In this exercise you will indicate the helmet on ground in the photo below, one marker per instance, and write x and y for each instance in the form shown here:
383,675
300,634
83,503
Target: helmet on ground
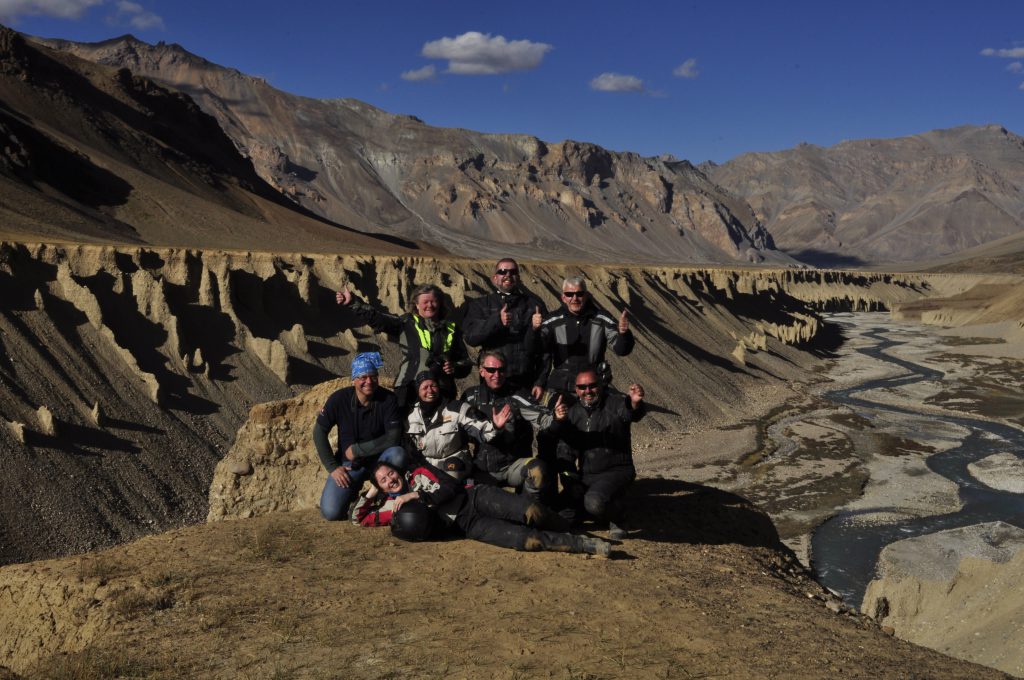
412,522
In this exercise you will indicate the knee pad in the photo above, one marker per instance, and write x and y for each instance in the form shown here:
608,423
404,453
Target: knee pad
595,505
535,476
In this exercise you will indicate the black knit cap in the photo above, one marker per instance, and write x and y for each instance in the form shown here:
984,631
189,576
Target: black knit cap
425,375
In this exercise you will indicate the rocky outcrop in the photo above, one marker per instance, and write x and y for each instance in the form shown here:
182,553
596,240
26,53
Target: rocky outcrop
272,465
949,591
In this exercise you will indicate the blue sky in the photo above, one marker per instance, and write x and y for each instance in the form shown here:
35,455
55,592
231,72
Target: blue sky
700,80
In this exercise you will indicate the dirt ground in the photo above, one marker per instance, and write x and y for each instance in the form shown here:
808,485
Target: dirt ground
701,589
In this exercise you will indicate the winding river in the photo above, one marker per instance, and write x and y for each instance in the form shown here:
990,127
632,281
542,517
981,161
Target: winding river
845,549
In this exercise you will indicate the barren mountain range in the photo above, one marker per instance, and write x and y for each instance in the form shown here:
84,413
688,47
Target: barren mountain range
468,192
857,203
886,200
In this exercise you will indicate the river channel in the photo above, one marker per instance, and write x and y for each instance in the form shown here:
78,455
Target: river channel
845,548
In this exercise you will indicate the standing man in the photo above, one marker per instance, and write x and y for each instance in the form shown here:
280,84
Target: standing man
507,460
598,461
369,430
501,320
576,336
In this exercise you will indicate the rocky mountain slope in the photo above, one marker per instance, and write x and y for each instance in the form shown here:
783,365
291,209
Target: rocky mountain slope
94,153
470,193
885,200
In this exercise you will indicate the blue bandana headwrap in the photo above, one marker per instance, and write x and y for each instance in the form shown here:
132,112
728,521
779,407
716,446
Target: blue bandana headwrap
366,363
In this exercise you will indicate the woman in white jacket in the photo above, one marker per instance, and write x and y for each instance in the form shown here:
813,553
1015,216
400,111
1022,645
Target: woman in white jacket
440,430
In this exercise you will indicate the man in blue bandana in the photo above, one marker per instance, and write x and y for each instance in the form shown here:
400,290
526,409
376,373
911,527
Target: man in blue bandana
369,429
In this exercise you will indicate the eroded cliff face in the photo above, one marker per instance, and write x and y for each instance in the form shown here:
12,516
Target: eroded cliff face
955,591
129,371
470,193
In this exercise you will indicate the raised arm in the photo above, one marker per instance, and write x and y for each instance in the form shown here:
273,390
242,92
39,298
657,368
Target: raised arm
480,325
619,336
375,318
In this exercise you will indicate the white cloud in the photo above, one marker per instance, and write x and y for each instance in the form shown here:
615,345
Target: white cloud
428,72
1006,53
10,10
616,82
475,53
688,69
1015,67
137,16
1021,86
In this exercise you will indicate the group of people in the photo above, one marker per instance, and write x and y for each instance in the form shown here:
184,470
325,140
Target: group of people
542,422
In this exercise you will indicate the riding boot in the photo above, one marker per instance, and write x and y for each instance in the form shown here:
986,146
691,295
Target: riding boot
563,542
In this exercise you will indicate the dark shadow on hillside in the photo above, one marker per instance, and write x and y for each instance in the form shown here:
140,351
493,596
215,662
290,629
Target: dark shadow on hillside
118,424
645,320
674,511
656,408
80,441
822,259
828,341
69,172
144,339
304,373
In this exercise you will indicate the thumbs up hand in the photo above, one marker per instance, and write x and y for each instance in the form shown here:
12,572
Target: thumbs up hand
560,409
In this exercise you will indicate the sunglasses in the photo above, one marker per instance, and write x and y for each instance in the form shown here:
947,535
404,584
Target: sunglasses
574,293
583,387
494,369
503,272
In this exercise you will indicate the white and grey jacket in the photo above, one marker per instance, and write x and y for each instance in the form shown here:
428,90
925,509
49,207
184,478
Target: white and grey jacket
443,440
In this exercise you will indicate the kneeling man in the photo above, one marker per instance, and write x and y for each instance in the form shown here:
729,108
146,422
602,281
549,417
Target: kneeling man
597,460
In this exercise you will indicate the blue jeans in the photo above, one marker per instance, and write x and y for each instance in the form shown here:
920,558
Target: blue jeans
334,501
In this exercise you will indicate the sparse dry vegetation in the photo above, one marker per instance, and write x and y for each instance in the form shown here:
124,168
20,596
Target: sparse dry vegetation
94,664
361,605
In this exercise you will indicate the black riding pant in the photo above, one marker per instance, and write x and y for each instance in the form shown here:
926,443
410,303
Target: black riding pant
602,492
499,518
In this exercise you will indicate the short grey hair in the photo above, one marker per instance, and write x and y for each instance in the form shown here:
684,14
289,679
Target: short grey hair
576,282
